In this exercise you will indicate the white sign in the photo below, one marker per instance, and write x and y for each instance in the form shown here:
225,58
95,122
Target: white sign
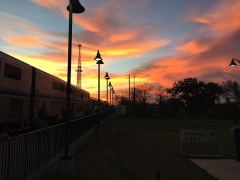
197,136
200,142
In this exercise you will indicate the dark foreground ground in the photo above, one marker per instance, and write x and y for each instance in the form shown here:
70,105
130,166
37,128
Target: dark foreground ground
127,148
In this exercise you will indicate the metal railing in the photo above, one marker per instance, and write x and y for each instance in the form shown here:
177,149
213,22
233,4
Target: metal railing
23,155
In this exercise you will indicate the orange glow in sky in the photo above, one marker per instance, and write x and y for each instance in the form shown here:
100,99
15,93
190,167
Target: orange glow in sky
159,41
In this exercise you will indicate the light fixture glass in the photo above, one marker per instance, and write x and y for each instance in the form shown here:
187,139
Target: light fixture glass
98,56
232,64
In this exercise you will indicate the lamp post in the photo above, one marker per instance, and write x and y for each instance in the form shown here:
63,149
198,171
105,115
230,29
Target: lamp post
113,92
233,62
134,94
73,7
107,78
110,86
129,93
99,60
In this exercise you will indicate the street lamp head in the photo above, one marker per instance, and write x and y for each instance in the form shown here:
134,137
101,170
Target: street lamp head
100,62
107,76
232,64
98,56
76,7
110,84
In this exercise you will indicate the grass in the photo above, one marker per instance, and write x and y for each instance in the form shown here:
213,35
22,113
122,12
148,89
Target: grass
130,148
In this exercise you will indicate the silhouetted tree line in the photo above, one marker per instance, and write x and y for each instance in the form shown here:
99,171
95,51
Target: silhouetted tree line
142,101
189,97
193,98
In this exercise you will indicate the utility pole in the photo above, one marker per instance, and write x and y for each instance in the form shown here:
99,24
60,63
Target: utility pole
79,68
134,94
129,93
110,91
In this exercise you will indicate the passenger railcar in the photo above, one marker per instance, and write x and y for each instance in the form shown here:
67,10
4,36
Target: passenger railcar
31,97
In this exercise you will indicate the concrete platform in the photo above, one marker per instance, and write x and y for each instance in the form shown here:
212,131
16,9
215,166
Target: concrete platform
223,169
138,148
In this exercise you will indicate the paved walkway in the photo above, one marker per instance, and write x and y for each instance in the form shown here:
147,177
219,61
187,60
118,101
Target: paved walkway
128,148
223,169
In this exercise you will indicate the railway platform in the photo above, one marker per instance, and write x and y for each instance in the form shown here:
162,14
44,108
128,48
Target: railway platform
120,148
130,148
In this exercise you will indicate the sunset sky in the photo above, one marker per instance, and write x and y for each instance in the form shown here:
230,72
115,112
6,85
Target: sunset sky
161,41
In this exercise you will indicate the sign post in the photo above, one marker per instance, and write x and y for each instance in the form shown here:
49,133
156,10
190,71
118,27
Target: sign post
200,143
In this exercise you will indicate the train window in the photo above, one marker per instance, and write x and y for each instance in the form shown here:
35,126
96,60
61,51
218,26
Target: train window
16,107
55,85
12,72
62,87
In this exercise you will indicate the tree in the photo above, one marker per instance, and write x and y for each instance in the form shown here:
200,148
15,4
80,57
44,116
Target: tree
160,96
211,93
196,95
143,92
140,104
231,92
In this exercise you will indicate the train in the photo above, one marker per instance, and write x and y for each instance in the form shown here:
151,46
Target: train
30,97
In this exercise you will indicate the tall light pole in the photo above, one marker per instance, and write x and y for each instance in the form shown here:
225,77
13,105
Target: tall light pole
113,92
107,78
129,93
110,86
99,60
73,7
134,94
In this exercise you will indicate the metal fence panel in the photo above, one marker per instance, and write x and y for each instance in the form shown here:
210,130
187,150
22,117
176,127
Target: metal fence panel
25,154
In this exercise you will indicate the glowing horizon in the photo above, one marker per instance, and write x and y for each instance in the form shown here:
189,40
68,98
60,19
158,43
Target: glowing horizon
158,41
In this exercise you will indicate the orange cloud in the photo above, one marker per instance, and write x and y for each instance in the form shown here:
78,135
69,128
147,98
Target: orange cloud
224,17
108,29
123,36
57,5
201,20
60,7
208,65
24,40
87,24
169,70
116,35
193,47
134,48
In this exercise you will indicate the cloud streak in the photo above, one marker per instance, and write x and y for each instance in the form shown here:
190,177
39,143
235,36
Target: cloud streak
126,38
222,18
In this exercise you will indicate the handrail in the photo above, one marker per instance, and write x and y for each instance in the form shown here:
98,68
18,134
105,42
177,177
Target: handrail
22,155
56,125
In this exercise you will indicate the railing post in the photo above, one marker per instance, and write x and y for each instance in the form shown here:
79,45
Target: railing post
8,159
